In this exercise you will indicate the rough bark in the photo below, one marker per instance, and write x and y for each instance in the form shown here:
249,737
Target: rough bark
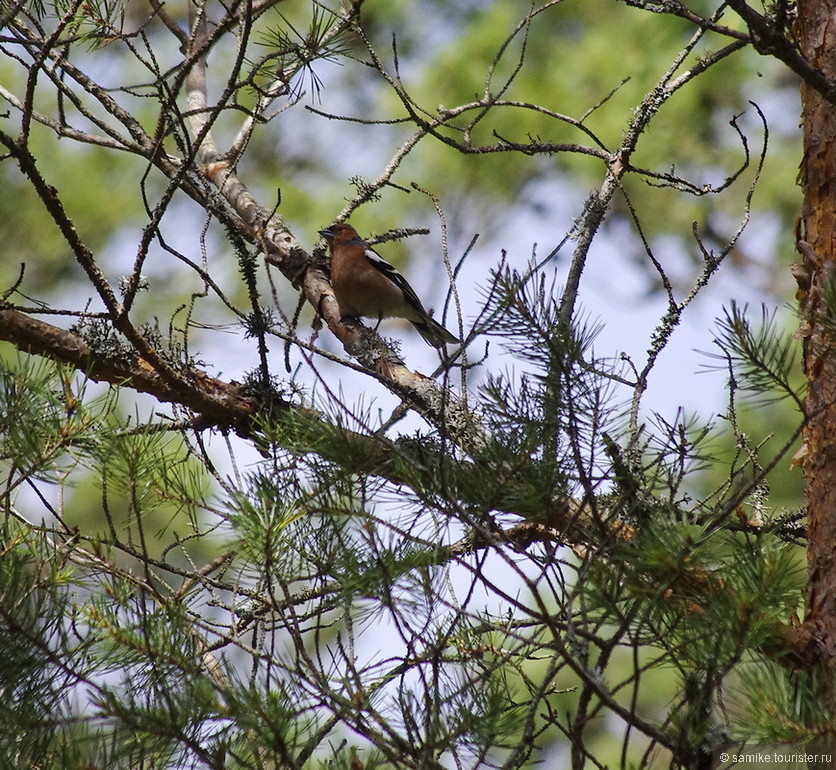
816,31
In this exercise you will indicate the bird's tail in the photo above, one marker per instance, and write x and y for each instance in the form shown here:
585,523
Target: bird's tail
434,333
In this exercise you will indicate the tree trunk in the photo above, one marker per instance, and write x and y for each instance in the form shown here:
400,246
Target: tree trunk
816,30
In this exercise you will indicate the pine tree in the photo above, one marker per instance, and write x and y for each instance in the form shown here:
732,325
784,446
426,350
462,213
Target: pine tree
336,560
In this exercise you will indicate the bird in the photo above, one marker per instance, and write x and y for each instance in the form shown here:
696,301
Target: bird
366,285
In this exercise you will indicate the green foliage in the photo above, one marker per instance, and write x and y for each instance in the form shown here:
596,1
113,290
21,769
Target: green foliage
318,558
763,358
780,705
34,612
761,363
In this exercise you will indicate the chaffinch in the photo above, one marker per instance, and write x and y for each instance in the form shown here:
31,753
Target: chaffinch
365,284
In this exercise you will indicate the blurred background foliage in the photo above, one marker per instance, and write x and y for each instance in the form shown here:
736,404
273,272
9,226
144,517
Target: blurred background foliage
571,65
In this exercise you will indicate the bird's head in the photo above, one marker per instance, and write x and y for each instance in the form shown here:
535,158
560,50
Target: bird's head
336,231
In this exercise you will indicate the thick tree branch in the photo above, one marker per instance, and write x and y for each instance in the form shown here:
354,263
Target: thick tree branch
223,403
772,40
300,430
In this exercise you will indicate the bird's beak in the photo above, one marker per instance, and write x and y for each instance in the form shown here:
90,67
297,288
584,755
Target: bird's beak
327,233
